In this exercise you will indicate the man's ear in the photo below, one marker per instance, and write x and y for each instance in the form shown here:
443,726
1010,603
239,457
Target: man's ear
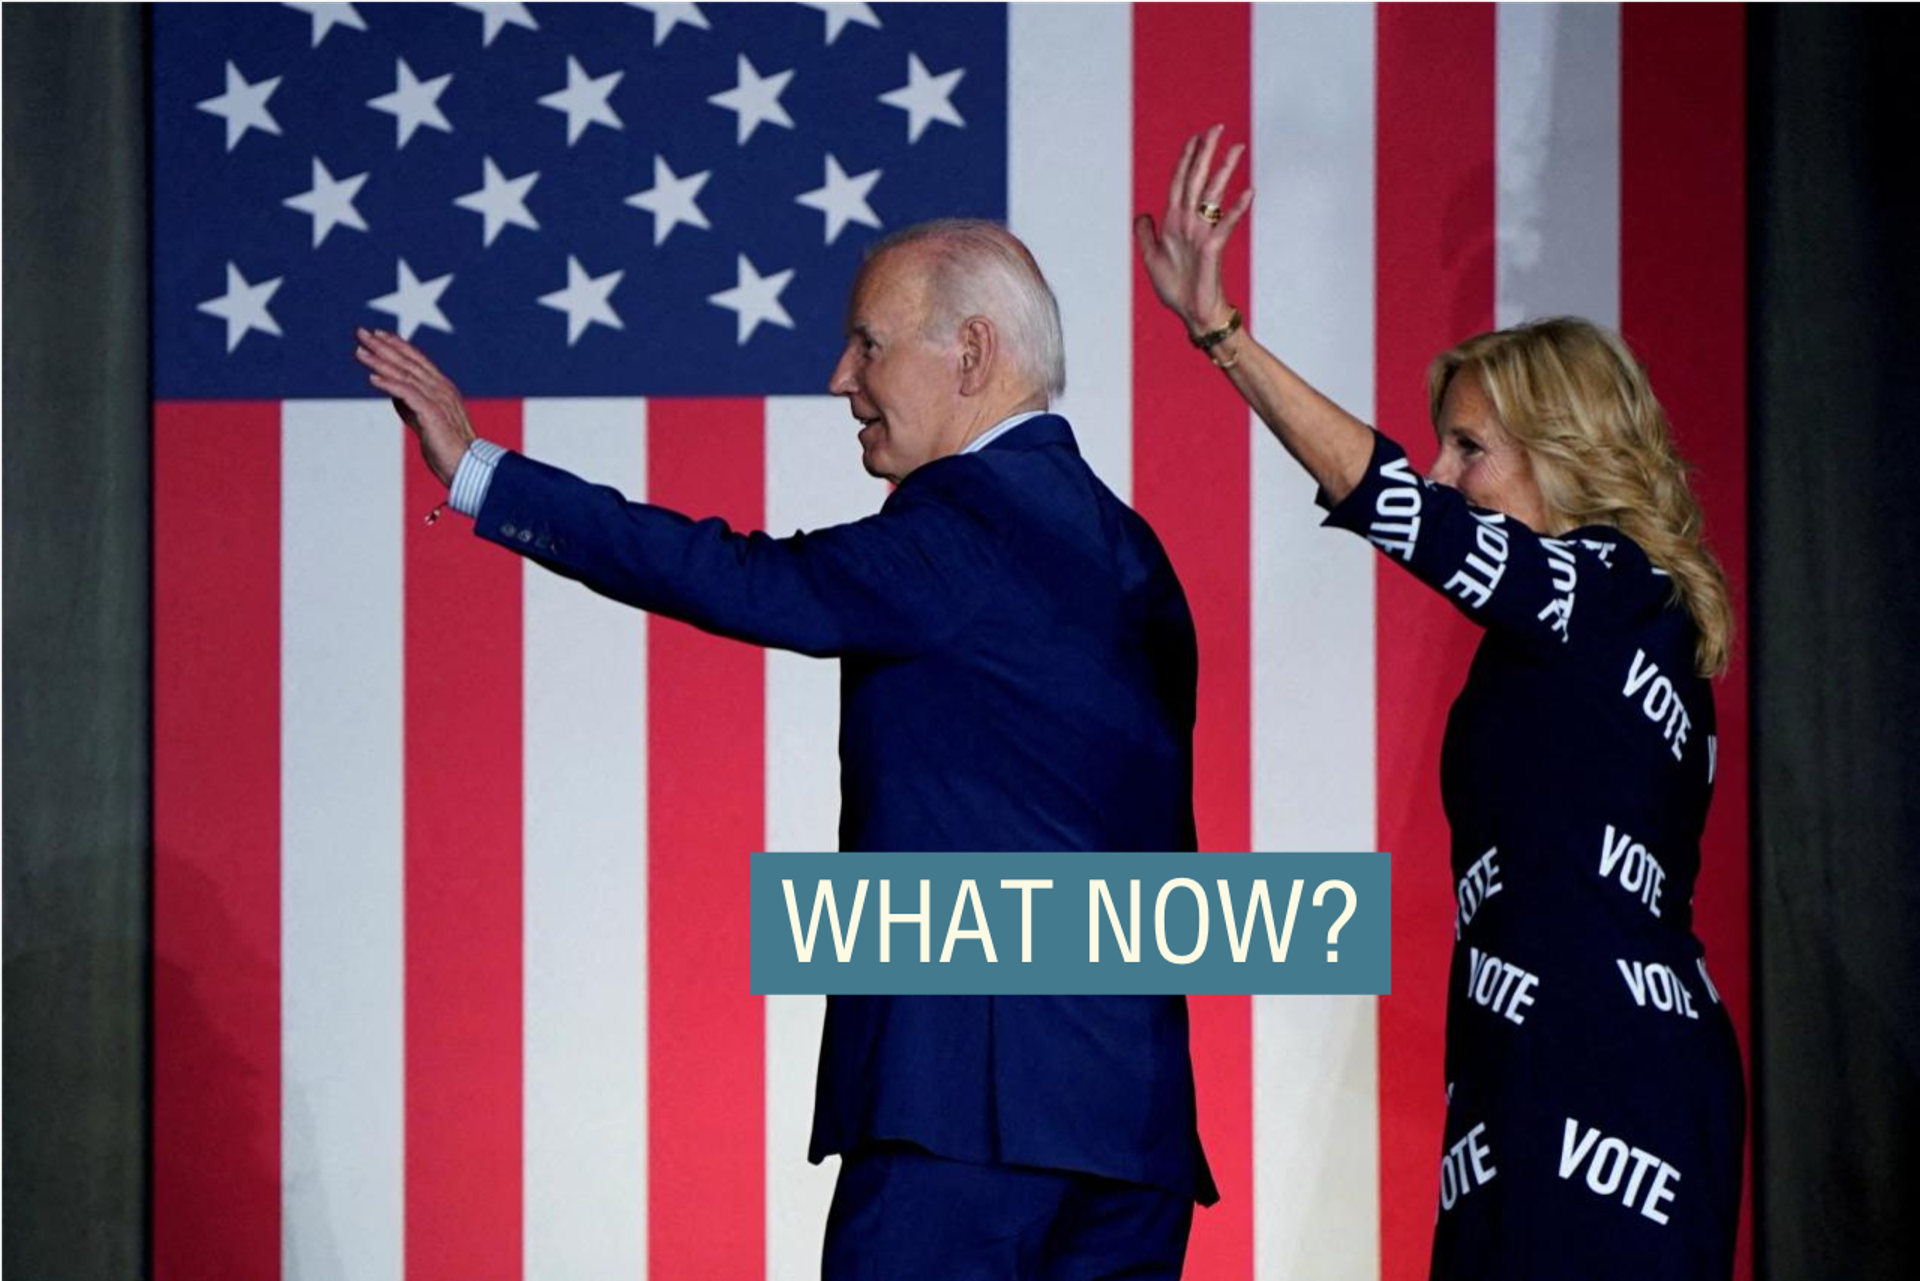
979,353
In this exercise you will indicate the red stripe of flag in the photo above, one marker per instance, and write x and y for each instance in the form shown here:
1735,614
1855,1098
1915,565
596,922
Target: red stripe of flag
463,885
706,762
1191,480
1683,310
216,832
1435,273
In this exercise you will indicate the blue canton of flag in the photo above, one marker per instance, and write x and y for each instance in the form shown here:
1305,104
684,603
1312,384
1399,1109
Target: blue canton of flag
584,199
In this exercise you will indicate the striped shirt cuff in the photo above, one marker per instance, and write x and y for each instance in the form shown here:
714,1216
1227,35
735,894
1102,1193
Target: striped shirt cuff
474,475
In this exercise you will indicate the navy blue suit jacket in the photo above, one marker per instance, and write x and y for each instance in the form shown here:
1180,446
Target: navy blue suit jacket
1018,670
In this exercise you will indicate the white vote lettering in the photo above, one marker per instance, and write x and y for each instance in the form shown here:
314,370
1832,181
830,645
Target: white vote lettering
1640,872
1476,582
1556,614
1467,1165
1608,1167
1657,986
1700,962
1501,986
1614,1165
1565,571
1481,883
1661,703
1571,1155
1561,564
1396,528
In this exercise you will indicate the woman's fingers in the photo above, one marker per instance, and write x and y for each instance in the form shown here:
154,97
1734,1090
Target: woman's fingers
1202,163
1195,184
1177,188
1239,210
1218,186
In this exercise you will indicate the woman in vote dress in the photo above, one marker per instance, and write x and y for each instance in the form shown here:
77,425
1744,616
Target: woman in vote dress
1595,1111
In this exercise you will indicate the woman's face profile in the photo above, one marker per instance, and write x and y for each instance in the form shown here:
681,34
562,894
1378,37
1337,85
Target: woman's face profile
1480,459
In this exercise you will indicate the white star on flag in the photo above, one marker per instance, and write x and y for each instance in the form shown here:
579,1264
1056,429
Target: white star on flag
842,199
839,15
755,99
415,302
328,16
329,202
926,98
668,16
413,103
244,306
584,300
584,100
754,298
499,17
243,106
671,199
501,201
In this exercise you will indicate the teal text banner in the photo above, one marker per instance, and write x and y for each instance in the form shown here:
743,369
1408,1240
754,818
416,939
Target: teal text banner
1071,924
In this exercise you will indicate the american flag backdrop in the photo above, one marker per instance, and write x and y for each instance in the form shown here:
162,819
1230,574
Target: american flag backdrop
451,855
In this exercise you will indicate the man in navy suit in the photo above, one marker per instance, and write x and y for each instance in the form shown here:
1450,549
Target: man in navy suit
1018,669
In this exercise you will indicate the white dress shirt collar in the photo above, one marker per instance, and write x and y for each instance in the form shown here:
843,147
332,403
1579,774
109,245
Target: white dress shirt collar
1000,429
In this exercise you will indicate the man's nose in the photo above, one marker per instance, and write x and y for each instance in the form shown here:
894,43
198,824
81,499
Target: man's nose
843,383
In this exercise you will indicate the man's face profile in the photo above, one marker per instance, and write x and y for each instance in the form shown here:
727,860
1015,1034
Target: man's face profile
902,385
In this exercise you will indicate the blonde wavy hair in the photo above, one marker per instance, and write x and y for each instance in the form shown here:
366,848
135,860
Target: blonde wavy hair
1579,403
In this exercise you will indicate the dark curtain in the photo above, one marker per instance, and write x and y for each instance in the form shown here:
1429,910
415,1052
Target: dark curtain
1835,275
76,636
1835,309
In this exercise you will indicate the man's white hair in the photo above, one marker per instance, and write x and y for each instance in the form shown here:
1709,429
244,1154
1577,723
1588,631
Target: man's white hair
979,268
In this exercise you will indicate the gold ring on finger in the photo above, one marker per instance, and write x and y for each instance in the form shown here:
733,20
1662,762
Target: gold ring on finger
1211,211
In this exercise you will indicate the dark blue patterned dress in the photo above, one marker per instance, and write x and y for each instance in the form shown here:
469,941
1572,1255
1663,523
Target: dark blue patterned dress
1595,1098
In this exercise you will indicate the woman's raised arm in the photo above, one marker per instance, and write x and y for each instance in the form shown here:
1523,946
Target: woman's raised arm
1182,255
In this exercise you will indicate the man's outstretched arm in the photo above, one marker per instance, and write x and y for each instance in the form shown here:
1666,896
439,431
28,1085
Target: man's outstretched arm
896,583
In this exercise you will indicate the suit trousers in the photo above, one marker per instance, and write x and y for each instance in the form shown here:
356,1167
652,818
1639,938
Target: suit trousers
900,1211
